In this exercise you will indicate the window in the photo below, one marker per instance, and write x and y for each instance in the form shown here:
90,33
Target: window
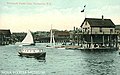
85,29
100,29
111,30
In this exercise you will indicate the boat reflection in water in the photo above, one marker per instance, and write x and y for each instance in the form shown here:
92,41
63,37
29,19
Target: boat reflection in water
32,53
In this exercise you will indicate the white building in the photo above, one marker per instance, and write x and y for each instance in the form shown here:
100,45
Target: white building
98,26
99,31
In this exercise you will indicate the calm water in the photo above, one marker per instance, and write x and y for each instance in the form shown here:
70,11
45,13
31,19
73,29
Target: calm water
59,62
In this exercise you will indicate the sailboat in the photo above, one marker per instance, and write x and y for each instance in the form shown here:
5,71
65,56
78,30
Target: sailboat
28,40
52,40
31,51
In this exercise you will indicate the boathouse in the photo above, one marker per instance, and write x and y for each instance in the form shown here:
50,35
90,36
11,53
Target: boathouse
5,37
98,31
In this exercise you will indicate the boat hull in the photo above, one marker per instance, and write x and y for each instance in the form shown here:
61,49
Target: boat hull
28,44
40,55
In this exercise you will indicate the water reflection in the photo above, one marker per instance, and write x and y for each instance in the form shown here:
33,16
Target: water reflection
100,63
40,59
61,62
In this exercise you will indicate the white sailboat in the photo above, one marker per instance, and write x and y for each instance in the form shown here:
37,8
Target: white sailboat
52,40
31,51
28,40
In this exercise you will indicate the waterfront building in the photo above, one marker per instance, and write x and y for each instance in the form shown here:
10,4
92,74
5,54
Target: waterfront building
18,37
5,37
41,36
98,31
61,36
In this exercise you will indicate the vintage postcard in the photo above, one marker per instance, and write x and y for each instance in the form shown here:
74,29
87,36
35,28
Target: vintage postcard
59,37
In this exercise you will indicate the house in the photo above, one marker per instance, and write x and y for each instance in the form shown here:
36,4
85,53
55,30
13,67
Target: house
98,26
41,36
44,36
99,31
5,37
62,36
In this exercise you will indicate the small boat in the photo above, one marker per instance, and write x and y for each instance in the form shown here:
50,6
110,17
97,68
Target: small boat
32,53
60,47
28,40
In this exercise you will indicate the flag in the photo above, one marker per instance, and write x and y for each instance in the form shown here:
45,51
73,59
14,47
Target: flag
82,10
84,6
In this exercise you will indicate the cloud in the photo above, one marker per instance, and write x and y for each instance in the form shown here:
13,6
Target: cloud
60,19
36,18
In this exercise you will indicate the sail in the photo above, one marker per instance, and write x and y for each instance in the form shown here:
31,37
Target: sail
52,40
28,39
51,36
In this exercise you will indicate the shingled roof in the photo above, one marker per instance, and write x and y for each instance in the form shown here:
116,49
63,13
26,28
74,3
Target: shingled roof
95,22
6,32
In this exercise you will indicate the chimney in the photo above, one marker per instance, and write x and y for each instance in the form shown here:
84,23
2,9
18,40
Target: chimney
102,17
74,28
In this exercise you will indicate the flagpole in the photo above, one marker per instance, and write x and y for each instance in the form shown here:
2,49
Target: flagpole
85,14
84,11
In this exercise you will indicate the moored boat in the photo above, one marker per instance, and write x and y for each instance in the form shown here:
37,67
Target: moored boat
32,52
52,40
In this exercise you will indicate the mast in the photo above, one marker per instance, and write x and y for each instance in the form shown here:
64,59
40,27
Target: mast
51,35
53,40
84,10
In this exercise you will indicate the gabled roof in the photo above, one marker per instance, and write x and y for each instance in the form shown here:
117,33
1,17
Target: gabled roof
95,22
6,32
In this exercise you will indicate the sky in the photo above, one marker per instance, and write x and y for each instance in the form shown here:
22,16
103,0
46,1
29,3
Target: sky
39,15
